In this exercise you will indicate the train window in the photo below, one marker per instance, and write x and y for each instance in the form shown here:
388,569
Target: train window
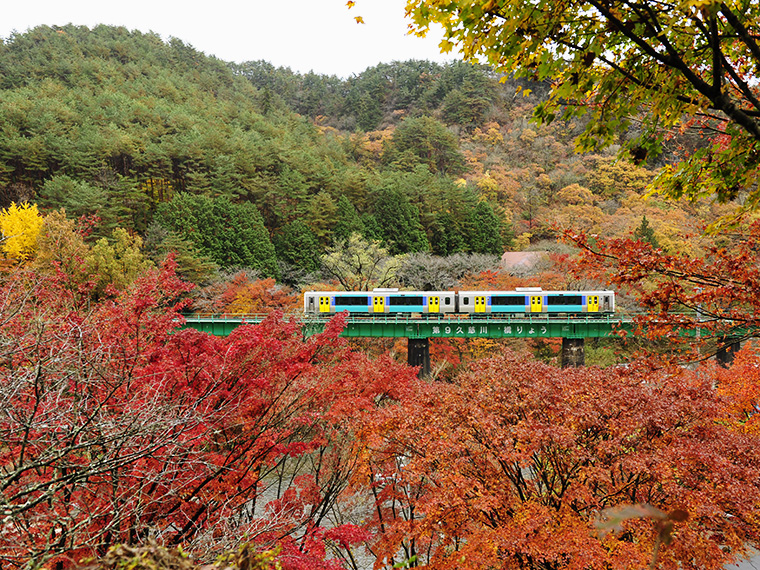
351,301
447,300
466,300
405,301
508,300
565,300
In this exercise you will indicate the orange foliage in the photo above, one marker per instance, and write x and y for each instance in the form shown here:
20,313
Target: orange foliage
368,147
515,463
260,296
243,296
740,386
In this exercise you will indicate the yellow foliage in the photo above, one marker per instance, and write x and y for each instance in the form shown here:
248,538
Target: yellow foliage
20,226
489,188
61,247
585,217
491,136
617,177
116,263
368,147
528,137
575,194
522,241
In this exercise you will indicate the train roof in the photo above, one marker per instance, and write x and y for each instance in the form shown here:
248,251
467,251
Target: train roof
516,291
531,290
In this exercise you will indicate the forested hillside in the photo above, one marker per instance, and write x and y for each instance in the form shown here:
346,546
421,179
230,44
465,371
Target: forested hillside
247,165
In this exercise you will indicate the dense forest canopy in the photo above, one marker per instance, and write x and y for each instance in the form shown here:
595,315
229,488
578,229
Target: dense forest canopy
116,123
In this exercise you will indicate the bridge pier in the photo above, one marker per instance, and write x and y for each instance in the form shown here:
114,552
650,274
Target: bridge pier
727,348
418,354
573,352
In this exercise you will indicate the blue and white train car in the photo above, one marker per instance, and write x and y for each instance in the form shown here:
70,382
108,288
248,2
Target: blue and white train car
536,300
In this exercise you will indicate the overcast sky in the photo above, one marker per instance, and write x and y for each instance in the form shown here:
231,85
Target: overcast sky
305,35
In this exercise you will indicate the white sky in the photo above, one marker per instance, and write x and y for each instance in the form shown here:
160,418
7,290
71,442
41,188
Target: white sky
305,35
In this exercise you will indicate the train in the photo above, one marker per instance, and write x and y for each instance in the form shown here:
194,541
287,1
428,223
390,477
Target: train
522,300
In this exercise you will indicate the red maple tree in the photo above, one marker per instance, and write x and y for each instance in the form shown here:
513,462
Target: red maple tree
518,464
697,302
117,426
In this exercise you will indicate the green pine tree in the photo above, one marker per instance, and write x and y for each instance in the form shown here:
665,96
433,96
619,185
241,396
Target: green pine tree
399,222
231,234
349,221
485,230
645,233
298,246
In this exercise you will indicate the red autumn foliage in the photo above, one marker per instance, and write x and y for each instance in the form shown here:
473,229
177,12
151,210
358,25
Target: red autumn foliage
740,387
516,464
679,294
119,427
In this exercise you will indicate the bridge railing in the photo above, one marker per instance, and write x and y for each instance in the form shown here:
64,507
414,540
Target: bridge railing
370,317
437,326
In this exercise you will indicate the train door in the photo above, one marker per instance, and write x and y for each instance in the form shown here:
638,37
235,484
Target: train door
324,304
480,304
434,304
592,303
536,304
378,304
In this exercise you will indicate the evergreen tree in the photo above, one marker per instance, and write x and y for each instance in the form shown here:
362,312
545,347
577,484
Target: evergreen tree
369,113
447,235
645,233
425,141
349,221
232,235
485,230
399,222
192,265
372,230
320,216
471,97
225,179
77,197
298,246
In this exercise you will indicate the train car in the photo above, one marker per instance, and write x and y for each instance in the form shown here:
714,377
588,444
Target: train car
536,300
388,301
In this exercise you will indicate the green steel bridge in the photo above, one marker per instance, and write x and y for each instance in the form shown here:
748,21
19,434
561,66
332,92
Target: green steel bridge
461,326
418,330
573,330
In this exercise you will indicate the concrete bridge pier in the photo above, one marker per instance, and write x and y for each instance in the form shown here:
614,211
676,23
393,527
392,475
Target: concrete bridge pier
727,348
418,354
573,352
